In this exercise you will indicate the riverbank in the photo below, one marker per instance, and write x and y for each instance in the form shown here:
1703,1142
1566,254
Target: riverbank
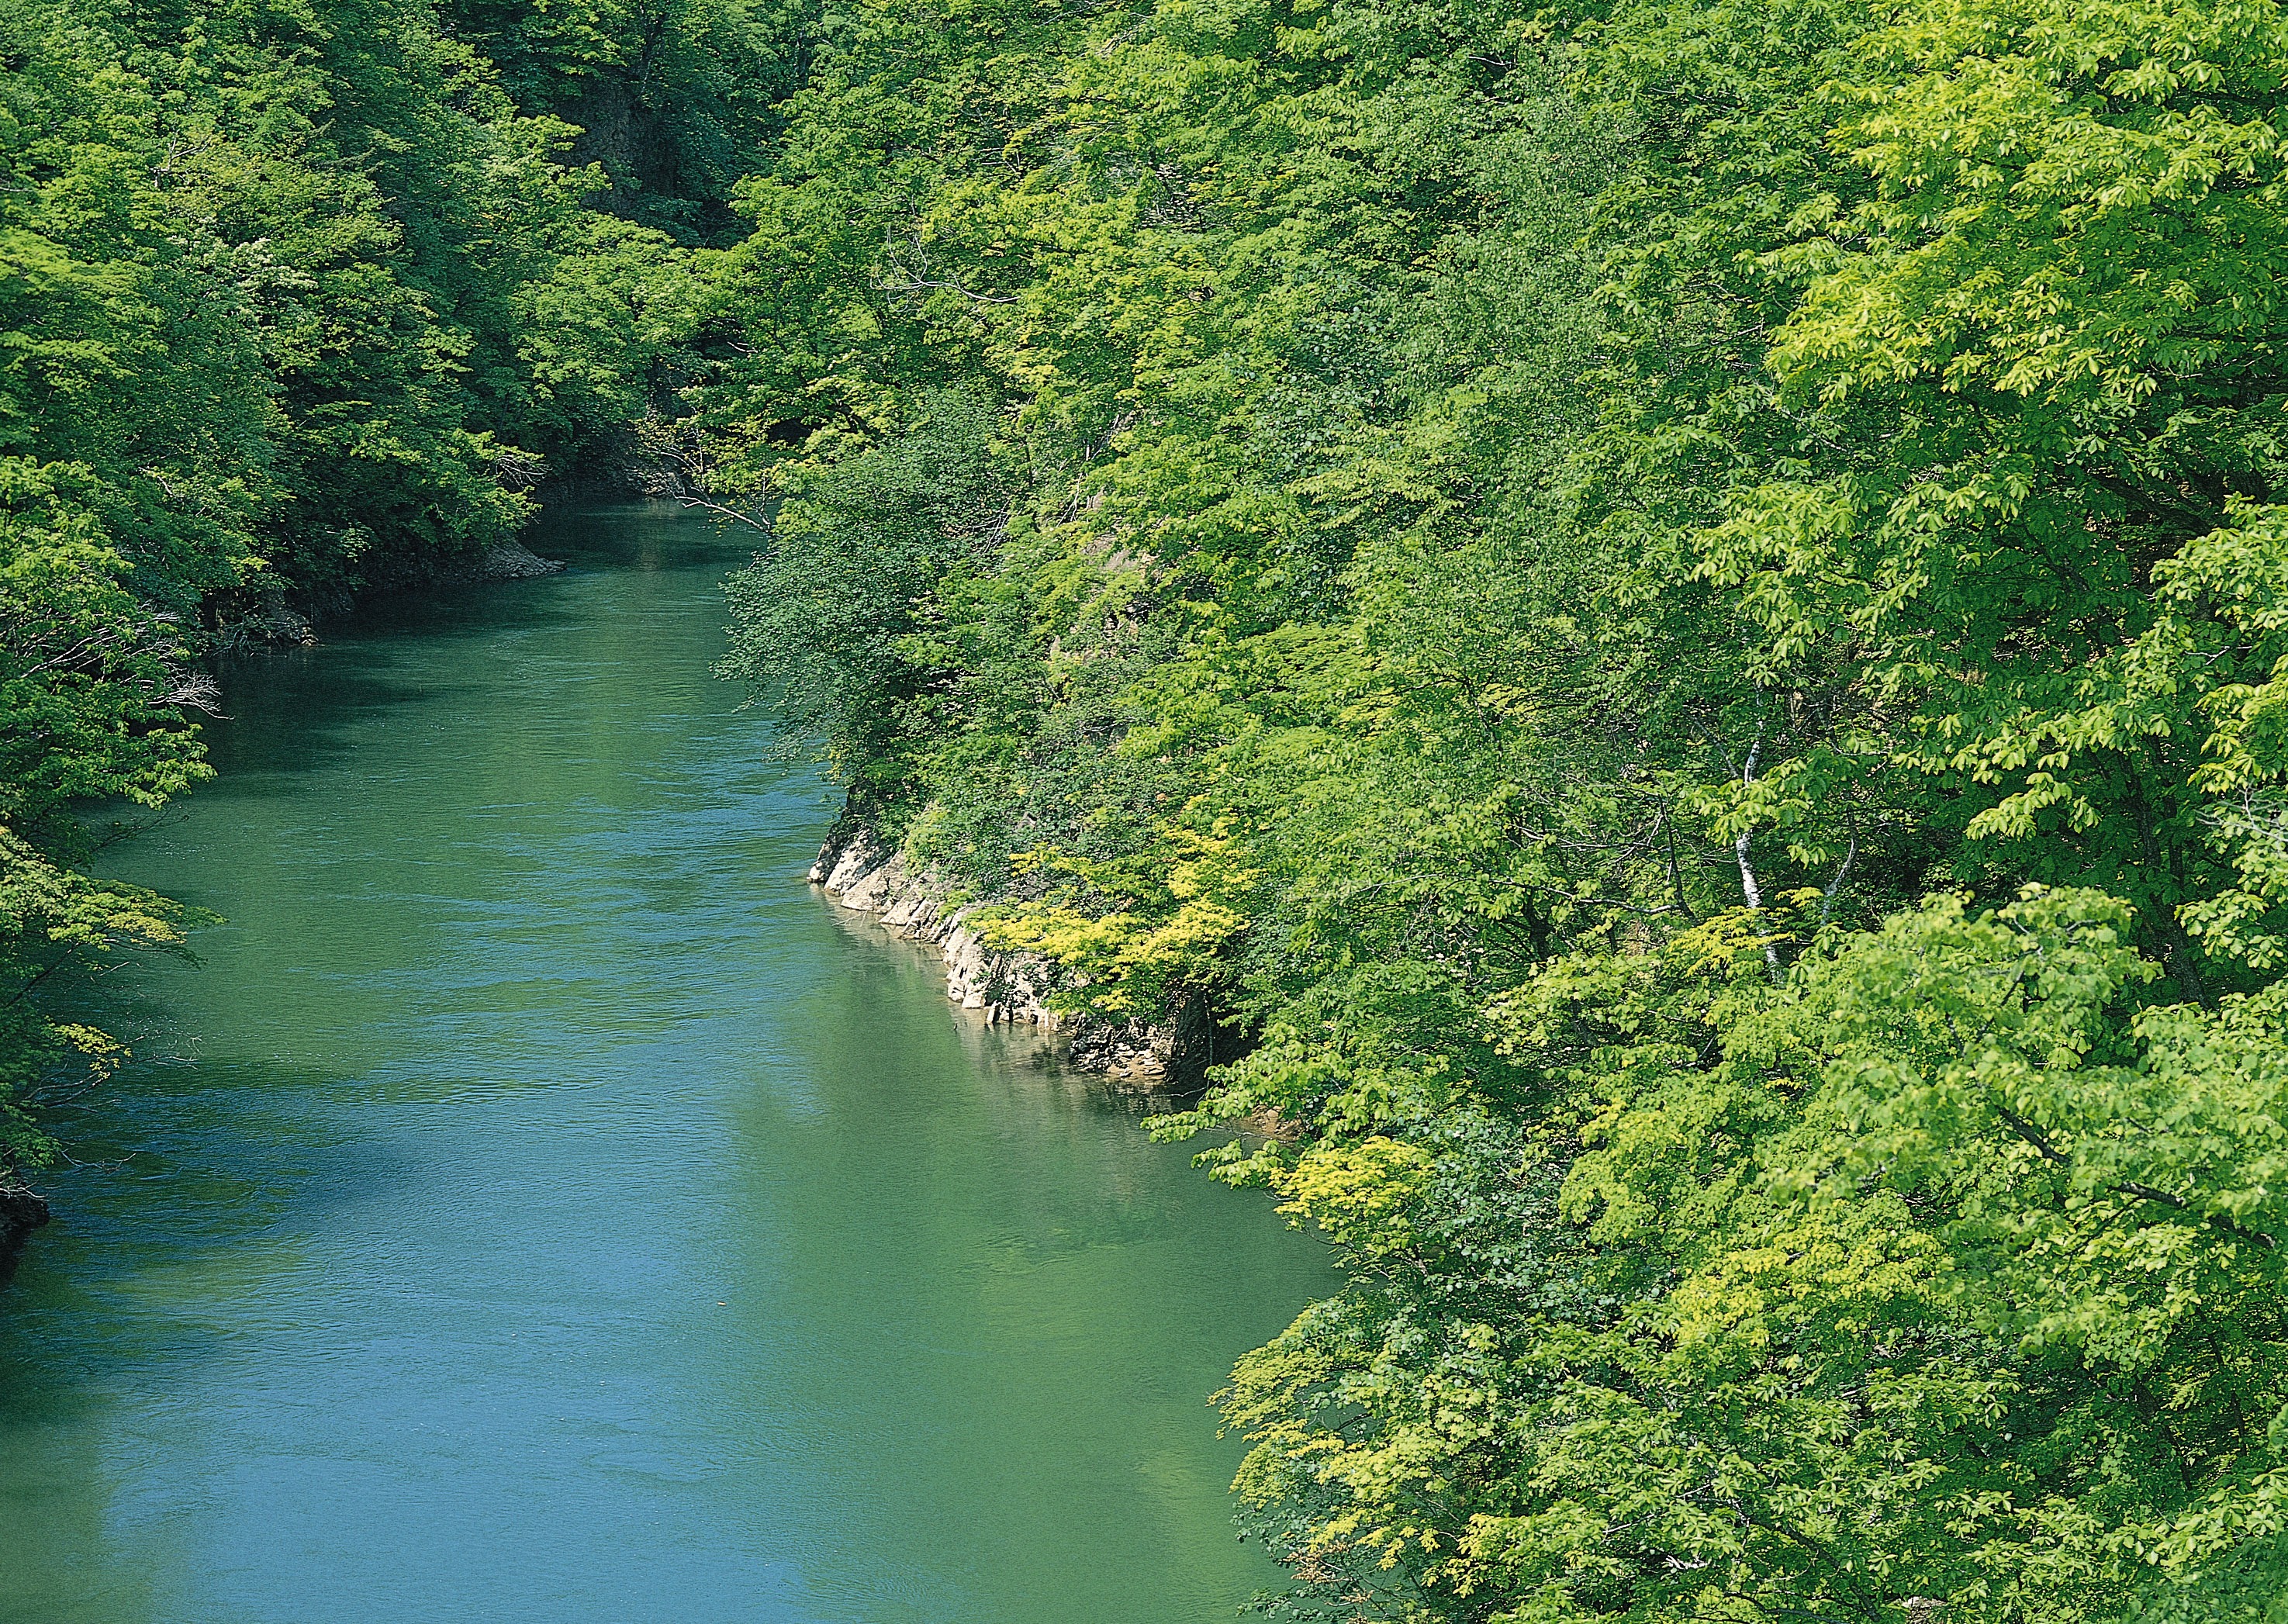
859,870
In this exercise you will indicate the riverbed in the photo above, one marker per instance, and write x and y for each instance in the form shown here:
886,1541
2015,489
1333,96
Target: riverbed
541,1205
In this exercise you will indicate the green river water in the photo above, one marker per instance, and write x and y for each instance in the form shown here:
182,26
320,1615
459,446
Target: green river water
541,1205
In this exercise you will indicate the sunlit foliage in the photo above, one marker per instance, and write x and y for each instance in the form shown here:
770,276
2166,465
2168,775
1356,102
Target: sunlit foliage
1676,613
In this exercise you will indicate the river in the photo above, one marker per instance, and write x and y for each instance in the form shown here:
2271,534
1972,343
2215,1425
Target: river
540,1205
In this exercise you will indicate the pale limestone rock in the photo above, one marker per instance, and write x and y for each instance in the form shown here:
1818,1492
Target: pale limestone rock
862,873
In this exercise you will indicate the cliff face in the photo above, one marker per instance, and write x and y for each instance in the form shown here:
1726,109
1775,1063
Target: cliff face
862,872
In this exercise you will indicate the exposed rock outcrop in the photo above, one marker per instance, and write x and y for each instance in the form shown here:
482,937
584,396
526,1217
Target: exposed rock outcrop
865,874
862,872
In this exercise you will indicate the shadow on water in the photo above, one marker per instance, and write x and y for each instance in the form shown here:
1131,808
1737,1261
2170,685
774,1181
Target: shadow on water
176,1166
301,710
647,536
187,1194
1046,1287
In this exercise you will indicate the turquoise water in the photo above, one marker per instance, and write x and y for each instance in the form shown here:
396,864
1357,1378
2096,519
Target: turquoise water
541,1205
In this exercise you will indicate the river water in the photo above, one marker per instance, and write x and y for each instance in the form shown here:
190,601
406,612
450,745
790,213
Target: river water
541,1205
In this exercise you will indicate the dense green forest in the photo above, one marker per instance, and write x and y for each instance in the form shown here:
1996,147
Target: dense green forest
1671,614
298,301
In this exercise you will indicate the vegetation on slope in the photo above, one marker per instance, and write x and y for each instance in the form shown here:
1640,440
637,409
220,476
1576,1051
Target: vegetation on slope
1676,613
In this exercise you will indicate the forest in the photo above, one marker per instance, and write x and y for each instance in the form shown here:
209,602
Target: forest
1670,616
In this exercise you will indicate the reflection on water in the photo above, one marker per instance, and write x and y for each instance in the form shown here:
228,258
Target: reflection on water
540,1207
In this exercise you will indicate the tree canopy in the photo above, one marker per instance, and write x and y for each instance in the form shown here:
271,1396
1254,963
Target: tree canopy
1673,613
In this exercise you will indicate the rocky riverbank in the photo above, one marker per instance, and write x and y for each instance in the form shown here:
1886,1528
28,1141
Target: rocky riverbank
862,873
